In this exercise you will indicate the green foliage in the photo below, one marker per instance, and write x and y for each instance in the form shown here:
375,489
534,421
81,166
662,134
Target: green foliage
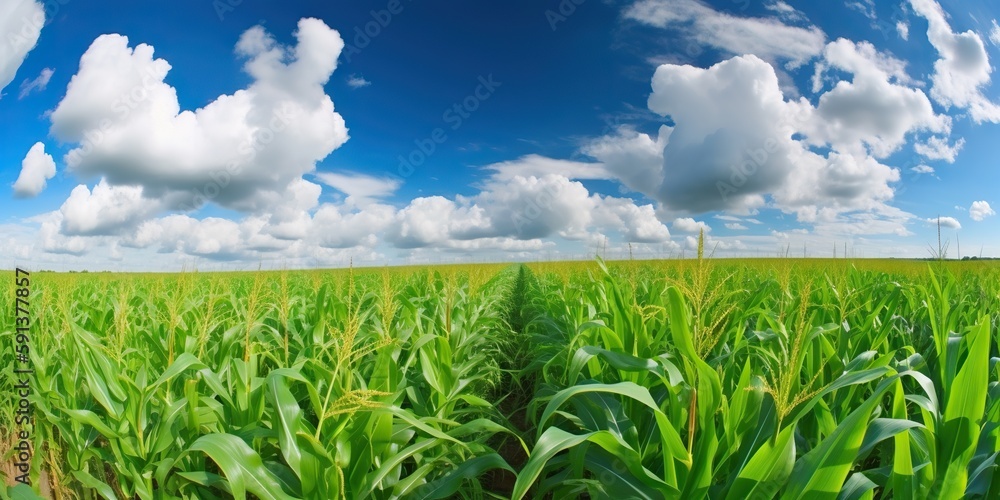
701,378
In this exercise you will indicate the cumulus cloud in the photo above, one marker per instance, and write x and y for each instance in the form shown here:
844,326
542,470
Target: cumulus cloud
212,237
766,38
980,210
509,213
105,210
963,68
357,82
689,225
531,207
340,227
633,158
721,114
21,23
922,169
946,222
636,224
903,30
537,166
38,84
875,110
36,168
937,148
241,151
738,144
523,208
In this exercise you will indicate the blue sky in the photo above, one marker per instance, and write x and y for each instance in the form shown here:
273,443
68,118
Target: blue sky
230,135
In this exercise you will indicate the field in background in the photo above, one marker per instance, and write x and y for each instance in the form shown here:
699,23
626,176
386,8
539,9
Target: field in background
726,378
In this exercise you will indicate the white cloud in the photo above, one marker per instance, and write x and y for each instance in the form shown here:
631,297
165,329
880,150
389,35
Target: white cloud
766,38
359,188
211,237
881,220
105,210
51,239
875,110
980,210
636,224
946,222
689,225
357,82
903,30
840,183
21,23
713,245
963,69
339,227
734,124
922,169
538,166
865,7
36,168
785,11
242,151
995,33
501,244
424,222
937,148
288,218
729,218
716,162
531,207
38,84
737,145
634,158
721,114
524,208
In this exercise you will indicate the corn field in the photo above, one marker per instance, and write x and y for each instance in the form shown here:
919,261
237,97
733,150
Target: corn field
728,379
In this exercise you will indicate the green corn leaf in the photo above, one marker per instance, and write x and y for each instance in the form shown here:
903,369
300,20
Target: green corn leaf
821,473
93,483
857,487
671,440
959,430
450,483
242,467
768,469
555,440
